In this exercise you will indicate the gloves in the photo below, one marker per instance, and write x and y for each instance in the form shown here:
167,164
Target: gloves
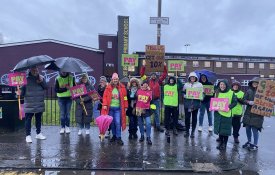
250,103
184,96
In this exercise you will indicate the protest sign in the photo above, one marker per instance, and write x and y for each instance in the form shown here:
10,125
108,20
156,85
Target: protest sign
17,79
154,55
176,65
194,93
262,101
129,60
77,91
219,104
94,95
208,89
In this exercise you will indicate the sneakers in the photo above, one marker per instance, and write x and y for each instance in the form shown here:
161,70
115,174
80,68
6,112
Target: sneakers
40,136
141,139
200,129
247,145
210,129
253,147
62,131
29,139
87,131
79,132
67,130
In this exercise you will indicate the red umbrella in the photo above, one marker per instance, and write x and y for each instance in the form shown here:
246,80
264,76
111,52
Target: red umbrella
103,122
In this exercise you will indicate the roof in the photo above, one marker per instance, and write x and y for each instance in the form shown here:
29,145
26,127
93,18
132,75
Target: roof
50,40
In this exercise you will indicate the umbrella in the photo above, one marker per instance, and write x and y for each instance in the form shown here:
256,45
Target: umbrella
69,64
32,62
211,76
103,122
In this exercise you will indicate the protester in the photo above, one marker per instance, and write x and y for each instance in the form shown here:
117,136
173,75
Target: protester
34,105
154,84
115,104
205,105
191,106
143,111
222,119
132,100
62,87
237,111
83,103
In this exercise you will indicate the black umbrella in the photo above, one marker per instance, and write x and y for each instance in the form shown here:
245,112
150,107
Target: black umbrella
69,64
32,62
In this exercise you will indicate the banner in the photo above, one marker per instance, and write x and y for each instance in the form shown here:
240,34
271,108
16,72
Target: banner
154,55
194,93
17,79
176,65
129,60
78,91
262,100
208,89
219,104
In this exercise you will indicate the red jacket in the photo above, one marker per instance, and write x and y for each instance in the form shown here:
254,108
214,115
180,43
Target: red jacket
107,97
155,85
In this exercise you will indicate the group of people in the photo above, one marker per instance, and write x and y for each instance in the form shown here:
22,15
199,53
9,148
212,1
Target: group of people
140,99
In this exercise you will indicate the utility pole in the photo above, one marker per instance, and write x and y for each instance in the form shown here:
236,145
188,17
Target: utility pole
159,25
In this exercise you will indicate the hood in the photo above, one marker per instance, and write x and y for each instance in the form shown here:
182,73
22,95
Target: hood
206,79
193,74
134,80
226,83
170,79
236,83
255,79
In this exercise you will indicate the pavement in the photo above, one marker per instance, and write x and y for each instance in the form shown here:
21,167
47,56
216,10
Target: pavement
86,154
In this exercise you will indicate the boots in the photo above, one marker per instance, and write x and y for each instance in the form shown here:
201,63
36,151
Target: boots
192,134
149,142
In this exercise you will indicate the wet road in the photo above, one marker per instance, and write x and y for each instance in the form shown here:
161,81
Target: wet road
71,154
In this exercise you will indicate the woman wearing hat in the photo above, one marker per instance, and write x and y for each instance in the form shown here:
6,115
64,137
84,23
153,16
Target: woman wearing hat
115,104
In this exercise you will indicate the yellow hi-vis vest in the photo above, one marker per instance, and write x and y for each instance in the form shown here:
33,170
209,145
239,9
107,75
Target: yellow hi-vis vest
238,109
62,83
170,95
228,95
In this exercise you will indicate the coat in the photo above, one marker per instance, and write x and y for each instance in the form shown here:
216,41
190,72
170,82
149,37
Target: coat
80,116
107,97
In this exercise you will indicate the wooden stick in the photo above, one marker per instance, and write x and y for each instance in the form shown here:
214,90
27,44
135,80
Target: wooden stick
84,107
19,104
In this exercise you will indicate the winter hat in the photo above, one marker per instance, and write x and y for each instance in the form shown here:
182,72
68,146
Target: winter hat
115,75
236,83
145,81
103,78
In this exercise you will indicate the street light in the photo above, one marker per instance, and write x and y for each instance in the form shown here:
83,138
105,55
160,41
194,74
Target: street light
186,45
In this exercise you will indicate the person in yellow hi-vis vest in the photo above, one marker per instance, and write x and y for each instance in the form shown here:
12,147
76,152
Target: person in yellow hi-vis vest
222,119
237,111
62,88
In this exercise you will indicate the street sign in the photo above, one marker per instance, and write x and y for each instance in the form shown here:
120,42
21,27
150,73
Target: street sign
159,20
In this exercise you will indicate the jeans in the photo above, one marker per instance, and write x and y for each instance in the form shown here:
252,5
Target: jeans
28,122
171,113
236,124
84,125
116,123
65,109
188,118
205,106
96,112
133,122
147,123
249,134
156,113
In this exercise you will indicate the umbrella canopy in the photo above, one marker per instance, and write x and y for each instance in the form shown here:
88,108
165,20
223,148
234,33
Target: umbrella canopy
211,76
32,62
103,122
69,64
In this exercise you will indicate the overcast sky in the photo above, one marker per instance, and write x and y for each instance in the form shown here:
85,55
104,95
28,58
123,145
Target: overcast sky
235,27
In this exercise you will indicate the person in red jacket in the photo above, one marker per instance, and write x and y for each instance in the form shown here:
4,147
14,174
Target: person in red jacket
115,104
154,84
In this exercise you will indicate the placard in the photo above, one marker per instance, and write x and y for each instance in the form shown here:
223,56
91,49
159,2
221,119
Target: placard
262,101
17,79
94,95
129,60
219,104
154,55
194,93
77,91
176,65
208,89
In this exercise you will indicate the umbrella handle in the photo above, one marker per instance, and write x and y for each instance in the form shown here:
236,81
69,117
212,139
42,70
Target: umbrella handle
83,106
19,104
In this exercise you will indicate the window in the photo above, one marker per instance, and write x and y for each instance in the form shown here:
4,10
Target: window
271,76
218,64
207,64
261,65
110,45
195,64
229,64
272,66
251,65
240,65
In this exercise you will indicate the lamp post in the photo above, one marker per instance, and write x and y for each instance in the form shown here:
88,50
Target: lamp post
186,45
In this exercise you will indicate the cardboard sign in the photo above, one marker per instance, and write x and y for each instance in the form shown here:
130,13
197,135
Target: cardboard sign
154,55
78,90
194,93
176,65
262,101
219,104
208,89
129,60
17,79
94,95
144,98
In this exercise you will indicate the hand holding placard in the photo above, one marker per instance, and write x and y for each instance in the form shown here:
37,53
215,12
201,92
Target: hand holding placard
219,104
